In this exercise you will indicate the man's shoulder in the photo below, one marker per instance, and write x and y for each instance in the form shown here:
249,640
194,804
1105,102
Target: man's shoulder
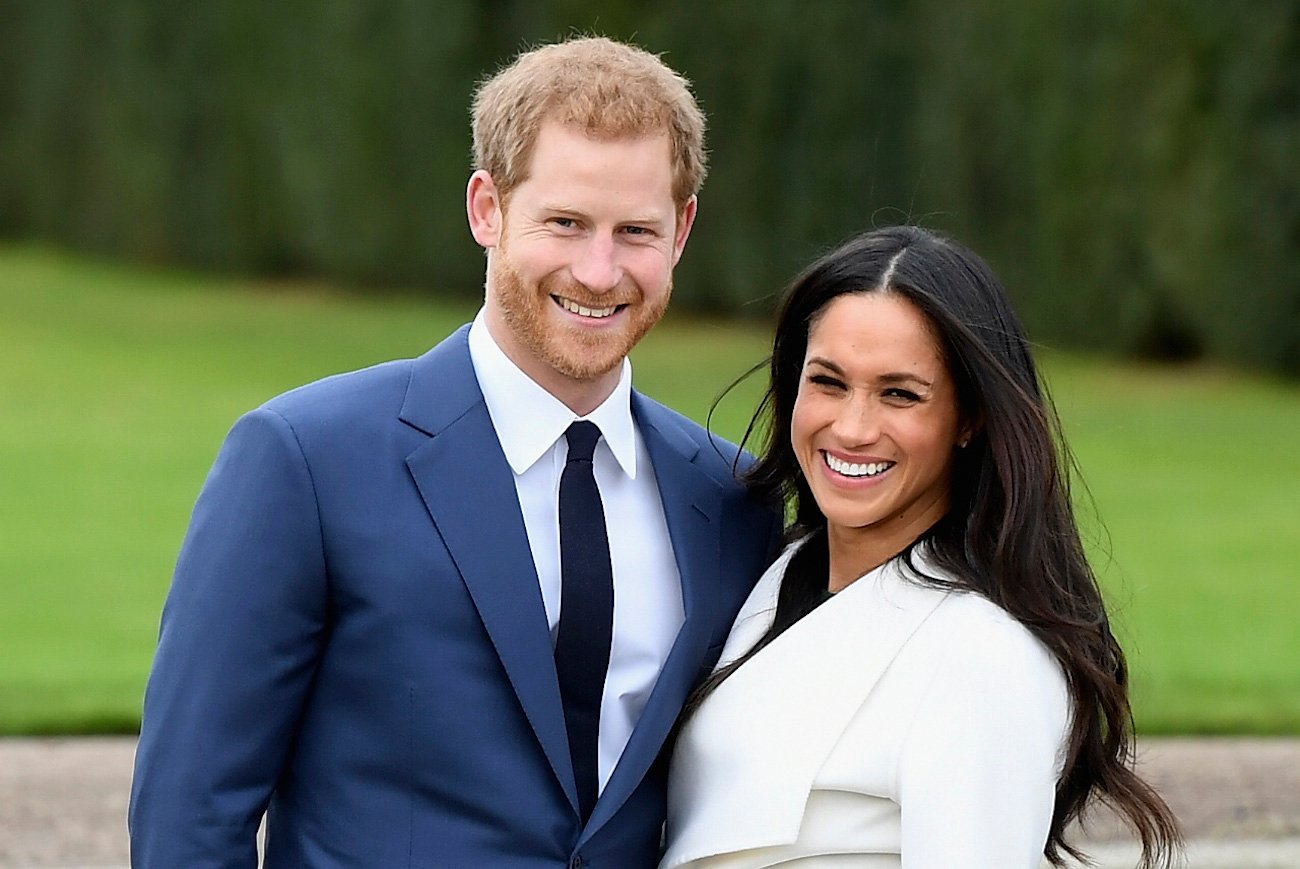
719,457
340,395
382,387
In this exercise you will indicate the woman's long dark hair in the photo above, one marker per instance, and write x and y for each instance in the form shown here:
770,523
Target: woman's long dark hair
1010,532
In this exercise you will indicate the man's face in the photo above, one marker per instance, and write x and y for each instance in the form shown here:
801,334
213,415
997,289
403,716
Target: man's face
581,256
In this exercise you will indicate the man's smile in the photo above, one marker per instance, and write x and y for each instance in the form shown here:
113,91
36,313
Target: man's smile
583,311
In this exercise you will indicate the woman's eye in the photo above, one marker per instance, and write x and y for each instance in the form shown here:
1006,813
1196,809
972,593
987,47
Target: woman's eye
902,394
824,380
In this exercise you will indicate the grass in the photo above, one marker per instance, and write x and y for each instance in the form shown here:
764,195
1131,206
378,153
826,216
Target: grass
117,385
1195,474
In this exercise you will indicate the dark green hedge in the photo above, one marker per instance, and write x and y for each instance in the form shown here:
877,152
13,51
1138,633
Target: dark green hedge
1130,168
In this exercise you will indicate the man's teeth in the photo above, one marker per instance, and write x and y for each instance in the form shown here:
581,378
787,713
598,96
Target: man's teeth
853,469
584,311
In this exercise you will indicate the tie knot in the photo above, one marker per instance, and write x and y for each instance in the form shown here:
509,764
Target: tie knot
582,437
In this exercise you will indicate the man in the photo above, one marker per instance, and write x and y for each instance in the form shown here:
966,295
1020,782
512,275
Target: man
419,619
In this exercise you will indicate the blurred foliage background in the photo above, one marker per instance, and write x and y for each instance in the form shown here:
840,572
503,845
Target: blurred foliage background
205,203
1129,168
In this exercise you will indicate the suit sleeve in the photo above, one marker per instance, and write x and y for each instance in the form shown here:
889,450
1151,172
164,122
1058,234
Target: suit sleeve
978,769
242,630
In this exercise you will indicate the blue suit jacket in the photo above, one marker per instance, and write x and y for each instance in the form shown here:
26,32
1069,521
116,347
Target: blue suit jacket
355,641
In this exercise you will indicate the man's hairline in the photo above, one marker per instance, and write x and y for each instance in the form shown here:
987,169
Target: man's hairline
665,131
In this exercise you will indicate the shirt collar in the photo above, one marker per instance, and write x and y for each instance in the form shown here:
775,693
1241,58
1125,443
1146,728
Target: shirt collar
529,420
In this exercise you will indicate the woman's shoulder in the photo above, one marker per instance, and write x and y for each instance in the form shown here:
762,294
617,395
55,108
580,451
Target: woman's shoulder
970,614
984,654
972,632
976,673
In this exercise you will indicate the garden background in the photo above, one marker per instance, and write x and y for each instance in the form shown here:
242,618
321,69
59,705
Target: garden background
203,204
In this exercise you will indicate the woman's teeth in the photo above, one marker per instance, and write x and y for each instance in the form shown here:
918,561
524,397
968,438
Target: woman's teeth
853,469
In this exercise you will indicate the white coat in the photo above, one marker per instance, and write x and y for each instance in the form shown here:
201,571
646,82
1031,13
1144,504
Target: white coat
897,725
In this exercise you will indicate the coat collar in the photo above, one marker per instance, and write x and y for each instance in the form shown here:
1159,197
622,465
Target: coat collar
469,491
793,714
444,401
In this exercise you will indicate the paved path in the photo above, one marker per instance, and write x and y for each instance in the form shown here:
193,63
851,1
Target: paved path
63,803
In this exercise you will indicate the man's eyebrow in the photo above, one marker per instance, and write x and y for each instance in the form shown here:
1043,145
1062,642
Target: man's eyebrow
644,218
559,208
648,218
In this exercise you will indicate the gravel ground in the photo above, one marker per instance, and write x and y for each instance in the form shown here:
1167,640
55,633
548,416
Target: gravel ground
63,802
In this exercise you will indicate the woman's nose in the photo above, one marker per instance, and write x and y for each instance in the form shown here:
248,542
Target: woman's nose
856,424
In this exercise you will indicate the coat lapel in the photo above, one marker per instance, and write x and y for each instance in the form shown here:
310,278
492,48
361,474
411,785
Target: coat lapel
469,491
692,504
754,713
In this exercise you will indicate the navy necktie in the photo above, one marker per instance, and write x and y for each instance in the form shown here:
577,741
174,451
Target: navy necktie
586,609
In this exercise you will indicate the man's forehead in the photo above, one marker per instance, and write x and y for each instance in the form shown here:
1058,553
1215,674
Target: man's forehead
570,170
557,135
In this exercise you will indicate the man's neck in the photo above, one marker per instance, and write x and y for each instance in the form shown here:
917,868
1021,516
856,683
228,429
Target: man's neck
581,396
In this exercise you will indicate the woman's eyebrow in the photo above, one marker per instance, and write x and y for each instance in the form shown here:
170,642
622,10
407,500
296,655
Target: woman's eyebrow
890,377
825,363
904,377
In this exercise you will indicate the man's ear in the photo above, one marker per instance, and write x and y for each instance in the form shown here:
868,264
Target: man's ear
483,207
685,220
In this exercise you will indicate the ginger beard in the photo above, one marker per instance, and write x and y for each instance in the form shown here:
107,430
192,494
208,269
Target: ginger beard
540,325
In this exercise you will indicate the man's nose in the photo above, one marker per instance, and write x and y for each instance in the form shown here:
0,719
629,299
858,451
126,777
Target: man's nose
597,267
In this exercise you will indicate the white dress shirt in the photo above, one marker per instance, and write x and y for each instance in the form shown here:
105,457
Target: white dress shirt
530,424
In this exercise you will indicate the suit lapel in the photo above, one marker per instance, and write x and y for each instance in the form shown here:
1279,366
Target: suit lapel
691,503
469,491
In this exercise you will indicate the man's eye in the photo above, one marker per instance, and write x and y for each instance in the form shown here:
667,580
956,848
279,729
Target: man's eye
564,222
637,230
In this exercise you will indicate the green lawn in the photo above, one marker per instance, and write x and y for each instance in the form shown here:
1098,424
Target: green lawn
117,385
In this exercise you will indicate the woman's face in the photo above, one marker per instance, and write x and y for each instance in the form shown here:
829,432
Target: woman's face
875,422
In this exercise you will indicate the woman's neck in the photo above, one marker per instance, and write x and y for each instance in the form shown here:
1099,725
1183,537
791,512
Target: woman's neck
855,552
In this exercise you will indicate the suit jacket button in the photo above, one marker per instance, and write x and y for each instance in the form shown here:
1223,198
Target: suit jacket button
577,862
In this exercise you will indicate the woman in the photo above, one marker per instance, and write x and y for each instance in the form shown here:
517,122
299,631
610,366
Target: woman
925,677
